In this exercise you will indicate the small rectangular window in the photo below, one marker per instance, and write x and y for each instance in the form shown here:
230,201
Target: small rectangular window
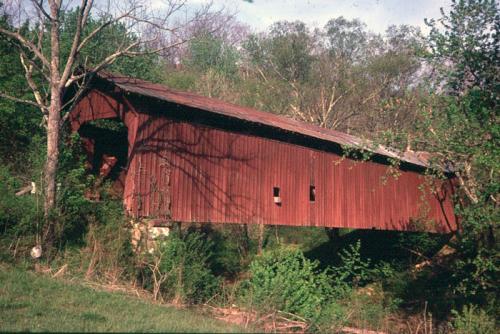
312,193
276,195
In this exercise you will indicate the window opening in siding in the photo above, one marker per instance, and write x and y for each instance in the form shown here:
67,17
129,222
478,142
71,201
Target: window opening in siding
276,195
312,193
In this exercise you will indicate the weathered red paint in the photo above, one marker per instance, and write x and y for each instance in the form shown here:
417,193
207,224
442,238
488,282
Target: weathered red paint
185,171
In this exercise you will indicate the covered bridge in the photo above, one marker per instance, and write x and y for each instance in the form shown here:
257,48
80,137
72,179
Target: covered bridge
187,158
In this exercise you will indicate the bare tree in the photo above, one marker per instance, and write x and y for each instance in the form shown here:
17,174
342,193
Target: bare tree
40,53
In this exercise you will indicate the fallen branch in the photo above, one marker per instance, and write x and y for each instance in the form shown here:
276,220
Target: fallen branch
61,271
24,190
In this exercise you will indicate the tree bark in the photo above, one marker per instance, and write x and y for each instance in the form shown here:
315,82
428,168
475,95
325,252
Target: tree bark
53,127
52,154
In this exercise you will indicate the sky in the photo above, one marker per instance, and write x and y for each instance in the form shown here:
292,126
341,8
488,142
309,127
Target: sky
377,14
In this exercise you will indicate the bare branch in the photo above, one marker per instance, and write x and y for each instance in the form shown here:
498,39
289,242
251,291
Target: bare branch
80,22
27,44
101,27
157,50
15,99
39,6
28,68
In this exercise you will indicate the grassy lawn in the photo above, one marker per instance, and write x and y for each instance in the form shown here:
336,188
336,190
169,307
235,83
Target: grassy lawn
30,302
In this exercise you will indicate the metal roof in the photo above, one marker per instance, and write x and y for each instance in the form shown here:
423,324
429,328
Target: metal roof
162,92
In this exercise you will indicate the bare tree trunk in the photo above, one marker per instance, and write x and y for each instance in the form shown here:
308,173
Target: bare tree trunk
51,166
53,126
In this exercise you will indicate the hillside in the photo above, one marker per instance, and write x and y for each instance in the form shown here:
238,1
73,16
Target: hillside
30,302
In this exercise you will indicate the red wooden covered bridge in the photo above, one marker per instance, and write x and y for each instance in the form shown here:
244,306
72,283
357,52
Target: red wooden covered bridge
187,158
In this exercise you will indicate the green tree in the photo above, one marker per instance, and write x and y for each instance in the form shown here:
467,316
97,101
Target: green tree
286,52
347,40
18,122
462,130
208,52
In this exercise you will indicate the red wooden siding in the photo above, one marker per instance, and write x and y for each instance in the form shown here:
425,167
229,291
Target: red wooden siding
192,173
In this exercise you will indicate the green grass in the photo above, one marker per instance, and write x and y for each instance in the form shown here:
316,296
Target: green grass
30,302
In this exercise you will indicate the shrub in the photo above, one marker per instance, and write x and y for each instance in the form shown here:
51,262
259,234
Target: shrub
353,269
184,265
286,280
19,218
472,321
17,214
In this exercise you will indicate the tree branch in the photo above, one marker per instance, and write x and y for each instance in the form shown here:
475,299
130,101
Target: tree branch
39,6
80,23
15,99
27,44
101,27
29,78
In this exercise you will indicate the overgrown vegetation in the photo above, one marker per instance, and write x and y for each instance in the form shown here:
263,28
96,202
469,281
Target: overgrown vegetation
285,280
436,93
181,269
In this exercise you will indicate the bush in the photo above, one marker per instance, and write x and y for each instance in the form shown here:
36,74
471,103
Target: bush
286,280
184,268
353,269
19,218
472,321
17,214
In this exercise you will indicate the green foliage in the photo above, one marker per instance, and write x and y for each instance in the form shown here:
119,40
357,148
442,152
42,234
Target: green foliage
182,80
285,280
232,249
286,51
346,39
186,263
19,123
18,214
353,269
105,43
420,242
74,210
468,44
472,321
475,276
209,52
466,135
103,249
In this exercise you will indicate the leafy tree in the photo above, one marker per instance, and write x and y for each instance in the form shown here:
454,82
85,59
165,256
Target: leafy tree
285,52
209,52
18,123
347,40
462,129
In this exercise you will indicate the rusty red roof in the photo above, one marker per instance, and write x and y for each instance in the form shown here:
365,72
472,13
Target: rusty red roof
216,106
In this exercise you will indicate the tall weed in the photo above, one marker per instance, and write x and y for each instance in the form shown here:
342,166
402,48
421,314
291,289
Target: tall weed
472,320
